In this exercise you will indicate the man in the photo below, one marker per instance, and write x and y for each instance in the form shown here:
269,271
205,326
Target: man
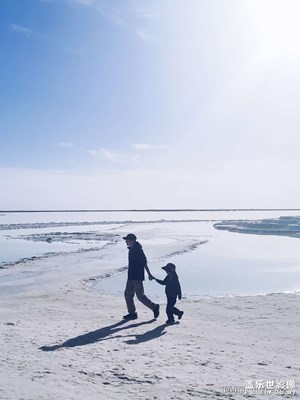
137,264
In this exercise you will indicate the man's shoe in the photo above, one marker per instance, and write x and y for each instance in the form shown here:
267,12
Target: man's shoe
170,321
180,314
130,316
156,311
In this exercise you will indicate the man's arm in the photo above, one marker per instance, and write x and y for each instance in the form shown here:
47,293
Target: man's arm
179,291
150,276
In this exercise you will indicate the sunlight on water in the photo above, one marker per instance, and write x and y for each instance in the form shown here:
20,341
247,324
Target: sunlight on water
229,264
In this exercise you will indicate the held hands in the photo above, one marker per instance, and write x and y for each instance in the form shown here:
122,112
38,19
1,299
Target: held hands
152,278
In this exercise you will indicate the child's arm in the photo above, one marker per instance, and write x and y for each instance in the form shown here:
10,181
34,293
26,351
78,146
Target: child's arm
164,282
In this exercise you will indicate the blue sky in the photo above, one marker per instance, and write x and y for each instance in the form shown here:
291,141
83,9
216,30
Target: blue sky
149,104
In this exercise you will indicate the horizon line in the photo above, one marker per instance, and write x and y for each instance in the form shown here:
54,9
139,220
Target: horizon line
150,210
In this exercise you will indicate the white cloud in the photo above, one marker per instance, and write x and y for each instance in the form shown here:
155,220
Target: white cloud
147,17
65,144
22,30
83,2
144,146
149,13
146,37
116,16
113,14
126,158
25,31
129,16
111,155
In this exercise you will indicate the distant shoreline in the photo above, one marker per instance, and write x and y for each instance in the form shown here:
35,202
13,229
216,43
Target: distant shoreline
152,210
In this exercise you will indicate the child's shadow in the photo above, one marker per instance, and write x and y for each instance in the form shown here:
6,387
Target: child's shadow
145,337
95,336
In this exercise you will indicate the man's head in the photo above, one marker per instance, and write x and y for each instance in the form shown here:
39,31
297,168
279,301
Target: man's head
130,239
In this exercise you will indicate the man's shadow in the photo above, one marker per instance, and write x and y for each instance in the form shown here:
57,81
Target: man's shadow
103,333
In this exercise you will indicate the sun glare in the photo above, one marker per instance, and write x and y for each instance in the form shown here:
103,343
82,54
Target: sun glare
278,25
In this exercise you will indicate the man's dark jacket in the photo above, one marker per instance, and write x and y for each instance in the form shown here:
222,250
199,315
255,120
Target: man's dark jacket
172,284
136,262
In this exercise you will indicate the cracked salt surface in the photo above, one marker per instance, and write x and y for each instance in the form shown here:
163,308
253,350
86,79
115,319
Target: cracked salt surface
282,226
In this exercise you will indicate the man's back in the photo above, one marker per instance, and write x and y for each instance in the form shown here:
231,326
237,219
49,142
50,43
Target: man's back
136,262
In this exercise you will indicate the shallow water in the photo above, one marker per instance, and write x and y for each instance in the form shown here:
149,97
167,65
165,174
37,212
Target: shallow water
15,249
229,264
96,216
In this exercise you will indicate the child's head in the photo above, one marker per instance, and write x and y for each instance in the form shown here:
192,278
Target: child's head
169,268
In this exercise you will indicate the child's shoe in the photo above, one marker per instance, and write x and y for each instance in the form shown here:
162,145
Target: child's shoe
180,314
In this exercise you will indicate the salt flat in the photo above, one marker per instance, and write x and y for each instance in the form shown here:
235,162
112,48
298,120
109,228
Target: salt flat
62,339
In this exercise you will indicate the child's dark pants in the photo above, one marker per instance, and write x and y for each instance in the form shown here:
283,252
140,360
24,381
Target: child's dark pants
171,310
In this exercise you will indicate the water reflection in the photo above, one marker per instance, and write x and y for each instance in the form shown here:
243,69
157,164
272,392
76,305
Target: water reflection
229,264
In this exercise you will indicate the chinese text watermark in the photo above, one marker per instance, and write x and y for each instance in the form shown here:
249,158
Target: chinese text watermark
263,387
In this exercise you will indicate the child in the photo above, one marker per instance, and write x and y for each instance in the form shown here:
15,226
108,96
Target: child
173,290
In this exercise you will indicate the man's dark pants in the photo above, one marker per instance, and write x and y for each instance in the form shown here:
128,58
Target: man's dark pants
135,287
